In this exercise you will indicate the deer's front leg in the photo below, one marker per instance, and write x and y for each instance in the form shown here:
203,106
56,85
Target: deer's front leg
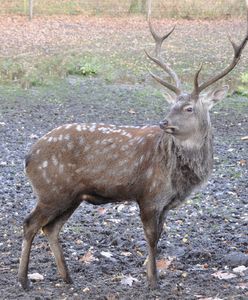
152,220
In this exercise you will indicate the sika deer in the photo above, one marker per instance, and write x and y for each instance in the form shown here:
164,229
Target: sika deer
157,166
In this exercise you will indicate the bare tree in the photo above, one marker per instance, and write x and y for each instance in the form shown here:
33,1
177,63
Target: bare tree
31,9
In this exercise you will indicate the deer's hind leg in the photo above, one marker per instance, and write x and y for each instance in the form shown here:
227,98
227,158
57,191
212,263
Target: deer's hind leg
31,225
51,230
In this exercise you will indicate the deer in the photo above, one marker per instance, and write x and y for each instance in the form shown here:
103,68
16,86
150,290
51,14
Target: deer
157,166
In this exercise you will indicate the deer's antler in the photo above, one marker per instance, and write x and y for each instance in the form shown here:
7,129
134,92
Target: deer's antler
158,60
237,50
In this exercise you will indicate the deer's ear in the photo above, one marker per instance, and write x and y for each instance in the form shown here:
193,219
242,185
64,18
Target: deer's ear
215,96
169,98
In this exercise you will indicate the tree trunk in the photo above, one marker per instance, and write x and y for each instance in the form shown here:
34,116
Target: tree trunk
30,10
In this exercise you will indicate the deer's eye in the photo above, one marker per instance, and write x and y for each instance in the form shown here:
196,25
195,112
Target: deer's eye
189,109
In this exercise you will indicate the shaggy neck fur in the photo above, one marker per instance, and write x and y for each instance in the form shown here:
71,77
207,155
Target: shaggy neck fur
190,167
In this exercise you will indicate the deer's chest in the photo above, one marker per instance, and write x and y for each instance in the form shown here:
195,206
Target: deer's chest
184,181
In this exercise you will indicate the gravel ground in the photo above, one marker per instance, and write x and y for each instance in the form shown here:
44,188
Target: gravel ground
206,240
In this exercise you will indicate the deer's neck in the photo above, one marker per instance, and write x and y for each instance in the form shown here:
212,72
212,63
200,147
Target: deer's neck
190,167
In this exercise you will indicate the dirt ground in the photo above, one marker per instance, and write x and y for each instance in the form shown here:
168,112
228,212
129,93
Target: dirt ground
204,249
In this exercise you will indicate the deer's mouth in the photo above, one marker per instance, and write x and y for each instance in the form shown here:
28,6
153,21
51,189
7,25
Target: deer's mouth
171,129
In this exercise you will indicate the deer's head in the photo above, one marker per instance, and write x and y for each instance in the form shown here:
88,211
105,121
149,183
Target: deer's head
188,120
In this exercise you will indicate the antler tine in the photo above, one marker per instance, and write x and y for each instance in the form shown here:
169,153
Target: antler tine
237,49
158,44
166,84
168,70
196,82
159,40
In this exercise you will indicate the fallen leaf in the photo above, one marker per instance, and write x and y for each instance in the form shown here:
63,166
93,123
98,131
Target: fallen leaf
79,242
184,274
101,210
106,254
244,138
35,276
242,285
87,258
126,253
163,264
224,275
210,298
120,207
240,269
111,297
242,162
132,111
33,136
128,280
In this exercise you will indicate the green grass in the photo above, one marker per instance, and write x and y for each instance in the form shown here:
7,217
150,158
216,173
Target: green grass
27,72
160,8
243,87
45,70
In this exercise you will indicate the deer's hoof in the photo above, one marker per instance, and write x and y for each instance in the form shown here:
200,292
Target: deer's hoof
68,279
24,283
153,285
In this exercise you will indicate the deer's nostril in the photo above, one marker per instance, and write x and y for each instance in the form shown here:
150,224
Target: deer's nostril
163,124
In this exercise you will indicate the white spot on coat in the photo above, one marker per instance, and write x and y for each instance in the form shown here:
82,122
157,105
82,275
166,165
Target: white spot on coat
123,162
149,172
124,147
61,168
54,160
45,164
70,146
67,137
78,128
79,170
